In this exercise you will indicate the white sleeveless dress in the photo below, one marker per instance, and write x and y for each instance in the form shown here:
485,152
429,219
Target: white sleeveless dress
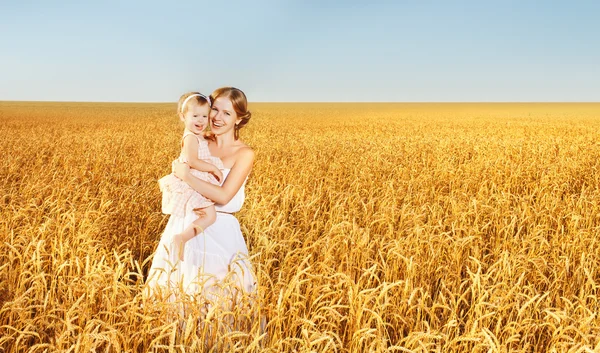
214,259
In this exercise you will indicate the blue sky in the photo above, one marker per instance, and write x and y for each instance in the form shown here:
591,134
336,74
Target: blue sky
404,51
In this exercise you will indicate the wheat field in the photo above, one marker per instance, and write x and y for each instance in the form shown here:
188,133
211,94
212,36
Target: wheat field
371,227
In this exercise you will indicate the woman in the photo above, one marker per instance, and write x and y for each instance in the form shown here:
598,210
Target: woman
216,259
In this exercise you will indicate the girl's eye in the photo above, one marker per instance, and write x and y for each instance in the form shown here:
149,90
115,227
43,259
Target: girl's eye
228,114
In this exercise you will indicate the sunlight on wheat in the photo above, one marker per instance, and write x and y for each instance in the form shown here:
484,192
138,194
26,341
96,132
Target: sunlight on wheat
371,227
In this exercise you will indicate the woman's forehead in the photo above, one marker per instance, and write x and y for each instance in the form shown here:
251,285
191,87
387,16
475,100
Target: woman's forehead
223,103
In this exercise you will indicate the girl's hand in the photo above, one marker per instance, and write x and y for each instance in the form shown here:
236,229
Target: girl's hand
217,173
181,170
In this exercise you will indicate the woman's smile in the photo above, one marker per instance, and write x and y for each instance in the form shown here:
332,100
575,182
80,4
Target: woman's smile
222,115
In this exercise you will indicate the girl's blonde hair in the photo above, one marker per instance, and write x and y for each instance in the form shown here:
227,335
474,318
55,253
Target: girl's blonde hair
195,98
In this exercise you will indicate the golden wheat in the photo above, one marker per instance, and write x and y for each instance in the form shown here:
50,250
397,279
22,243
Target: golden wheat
372,227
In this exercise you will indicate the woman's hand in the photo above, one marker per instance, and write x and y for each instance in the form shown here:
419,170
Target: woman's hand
181,170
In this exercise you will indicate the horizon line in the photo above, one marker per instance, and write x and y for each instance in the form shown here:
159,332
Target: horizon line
311,102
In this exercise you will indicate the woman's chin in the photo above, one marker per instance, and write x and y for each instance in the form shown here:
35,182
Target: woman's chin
216,130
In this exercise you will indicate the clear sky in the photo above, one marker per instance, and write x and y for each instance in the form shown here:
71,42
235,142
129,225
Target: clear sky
405,51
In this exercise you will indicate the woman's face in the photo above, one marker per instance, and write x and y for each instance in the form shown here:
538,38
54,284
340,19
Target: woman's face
222,116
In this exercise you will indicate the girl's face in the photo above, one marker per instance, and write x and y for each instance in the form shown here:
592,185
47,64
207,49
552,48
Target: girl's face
196,118
222,116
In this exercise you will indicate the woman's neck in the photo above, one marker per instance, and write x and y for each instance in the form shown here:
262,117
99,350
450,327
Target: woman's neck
224,140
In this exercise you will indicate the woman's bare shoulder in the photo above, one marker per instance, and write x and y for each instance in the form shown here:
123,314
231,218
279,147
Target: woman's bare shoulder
241,146
245,151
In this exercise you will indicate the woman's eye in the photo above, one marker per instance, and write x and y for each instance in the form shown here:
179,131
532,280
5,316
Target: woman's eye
228,114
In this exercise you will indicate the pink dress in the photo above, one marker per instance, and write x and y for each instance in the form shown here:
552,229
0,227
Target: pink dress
178,198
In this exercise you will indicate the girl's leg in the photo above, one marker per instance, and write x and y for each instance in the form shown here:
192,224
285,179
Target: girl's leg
208,217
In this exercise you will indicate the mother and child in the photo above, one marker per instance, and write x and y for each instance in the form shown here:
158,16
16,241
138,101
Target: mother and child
202,243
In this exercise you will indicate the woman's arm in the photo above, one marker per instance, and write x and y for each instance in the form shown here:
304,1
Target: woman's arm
190,151
220,194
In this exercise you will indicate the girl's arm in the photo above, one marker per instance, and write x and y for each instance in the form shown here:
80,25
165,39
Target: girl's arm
224,193
190,151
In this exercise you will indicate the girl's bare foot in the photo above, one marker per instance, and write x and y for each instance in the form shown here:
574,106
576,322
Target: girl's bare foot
180,239
179,245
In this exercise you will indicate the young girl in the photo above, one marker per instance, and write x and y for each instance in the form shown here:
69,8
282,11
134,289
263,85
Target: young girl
179,198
